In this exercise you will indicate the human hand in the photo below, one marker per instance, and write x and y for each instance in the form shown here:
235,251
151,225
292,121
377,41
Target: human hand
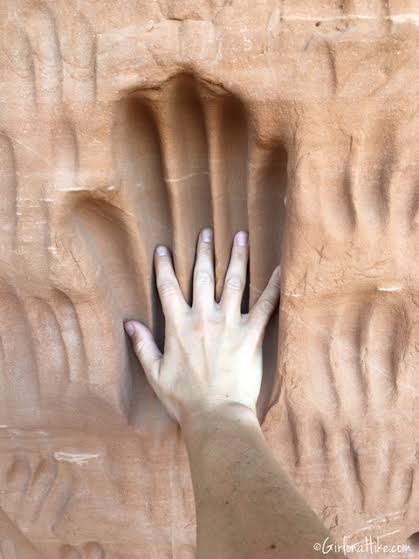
212,353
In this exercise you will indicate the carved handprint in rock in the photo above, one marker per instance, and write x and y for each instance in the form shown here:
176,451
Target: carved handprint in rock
96,170
45,171
35,492
349,302
35,92
186,158
347,409
353,209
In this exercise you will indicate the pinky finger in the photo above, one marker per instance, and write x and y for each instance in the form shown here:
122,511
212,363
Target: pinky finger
145,349
265,306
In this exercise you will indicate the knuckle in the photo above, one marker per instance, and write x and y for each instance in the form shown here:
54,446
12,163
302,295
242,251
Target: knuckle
266,307
167,288
205,249
204,278
176,321
240,254
140,346
234,283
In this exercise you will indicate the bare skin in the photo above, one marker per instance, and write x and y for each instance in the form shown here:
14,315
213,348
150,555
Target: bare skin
209,379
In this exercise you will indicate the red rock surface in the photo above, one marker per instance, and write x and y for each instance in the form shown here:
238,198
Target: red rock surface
127,124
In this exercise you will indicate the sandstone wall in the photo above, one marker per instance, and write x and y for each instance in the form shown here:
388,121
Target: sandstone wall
127,124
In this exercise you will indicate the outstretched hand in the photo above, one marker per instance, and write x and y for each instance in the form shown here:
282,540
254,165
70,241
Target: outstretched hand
212,354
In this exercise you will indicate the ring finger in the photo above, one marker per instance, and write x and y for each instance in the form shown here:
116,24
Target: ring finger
236,276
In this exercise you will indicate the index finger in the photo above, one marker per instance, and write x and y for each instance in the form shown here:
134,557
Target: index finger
265,306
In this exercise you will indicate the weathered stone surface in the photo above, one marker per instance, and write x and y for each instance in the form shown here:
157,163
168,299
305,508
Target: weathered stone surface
127,124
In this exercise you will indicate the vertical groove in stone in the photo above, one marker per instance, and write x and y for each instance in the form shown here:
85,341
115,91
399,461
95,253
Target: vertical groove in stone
228,154
185,159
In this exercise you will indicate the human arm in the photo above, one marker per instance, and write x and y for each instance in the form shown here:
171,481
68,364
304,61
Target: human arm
209,379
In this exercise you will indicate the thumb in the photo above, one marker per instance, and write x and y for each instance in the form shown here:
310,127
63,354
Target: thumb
145,349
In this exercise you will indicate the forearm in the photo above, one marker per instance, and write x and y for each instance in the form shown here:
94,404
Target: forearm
245,505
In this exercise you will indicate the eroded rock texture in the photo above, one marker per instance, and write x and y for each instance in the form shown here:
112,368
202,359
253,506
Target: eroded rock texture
127,124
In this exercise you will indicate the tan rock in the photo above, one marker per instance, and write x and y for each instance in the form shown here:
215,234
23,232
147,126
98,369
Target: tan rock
126,124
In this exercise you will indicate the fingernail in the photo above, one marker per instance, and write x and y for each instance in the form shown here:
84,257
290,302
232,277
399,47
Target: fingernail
206,235
129,328
162,251
241,238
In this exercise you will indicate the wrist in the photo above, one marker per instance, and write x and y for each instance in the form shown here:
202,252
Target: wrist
203,422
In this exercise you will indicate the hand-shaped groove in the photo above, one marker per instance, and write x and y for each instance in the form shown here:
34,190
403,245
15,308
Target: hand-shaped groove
43,36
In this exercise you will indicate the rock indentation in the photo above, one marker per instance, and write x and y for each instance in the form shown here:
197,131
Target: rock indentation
126,126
